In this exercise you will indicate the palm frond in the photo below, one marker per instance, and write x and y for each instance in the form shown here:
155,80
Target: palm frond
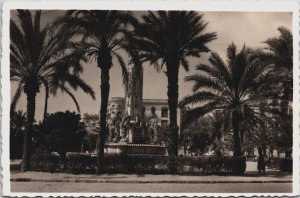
199,97
123,67
65,89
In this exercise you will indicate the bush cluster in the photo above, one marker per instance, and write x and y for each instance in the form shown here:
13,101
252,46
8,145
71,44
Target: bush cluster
45,162
140,164
283,164
286,165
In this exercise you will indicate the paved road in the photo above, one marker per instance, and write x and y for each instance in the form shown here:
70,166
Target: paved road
153,187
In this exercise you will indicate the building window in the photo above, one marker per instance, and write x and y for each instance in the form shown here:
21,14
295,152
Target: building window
164,112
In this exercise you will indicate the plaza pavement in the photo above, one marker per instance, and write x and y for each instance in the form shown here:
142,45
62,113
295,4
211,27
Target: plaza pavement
250,176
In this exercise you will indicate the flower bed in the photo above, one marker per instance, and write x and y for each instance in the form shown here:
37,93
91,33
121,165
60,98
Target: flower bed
140,164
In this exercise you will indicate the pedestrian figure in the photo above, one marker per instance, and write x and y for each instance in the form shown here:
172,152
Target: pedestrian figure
261,163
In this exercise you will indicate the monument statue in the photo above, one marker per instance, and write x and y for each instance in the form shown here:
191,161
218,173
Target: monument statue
133,103
124,127
114,128
134,127
129,129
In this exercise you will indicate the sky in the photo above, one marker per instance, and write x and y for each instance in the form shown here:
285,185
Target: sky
241,28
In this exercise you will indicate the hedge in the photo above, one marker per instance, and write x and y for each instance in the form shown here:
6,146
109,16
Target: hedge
140,164
286,165
283,164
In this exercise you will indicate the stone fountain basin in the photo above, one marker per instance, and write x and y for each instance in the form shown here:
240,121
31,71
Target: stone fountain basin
127,149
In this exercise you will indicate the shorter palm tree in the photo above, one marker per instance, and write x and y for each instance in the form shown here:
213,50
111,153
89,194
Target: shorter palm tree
237,88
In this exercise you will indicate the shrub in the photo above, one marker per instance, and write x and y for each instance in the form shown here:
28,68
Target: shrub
286,165
45,162
81,164
141,164
61,132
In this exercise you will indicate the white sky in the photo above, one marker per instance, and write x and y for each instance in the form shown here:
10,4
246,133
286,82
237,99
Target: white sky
250,28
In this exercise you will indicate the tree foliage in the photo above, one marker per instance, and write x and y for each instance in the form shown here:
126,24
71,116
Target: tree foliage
61,132
16,136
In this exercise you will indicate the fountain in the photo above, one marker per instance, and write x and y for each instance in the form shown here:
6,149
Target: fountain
134,133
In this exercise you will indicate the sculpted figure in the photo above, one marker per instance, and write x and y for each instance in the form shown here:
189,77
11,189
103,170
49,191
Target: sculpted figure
123,134
111,128
152,127
124,127
117,121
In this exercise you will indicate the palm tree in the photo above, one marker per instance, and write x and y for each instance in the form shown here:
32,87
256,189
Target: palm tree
38,58
238,88
102,33
169,38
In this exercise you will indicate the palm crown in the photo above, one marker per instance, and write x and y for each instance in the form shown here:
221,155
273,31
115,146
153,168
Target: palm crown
172,36
39,58
101,34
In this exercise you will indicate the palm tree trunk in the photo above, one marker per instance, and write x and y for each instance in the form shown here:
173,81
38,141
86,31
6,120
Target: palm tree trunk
46,104
236,134
173,101
27,146
172,74
103,114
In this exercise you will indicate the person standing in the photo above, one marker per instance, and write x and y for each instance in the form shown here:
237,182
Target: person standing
261,163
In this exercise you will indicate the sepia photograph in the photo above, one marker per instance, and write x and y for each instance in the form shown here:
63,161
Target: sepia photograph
163,101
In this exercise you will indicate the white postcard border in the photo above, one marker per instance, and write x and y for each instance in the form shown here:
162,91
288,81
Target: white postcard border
199,5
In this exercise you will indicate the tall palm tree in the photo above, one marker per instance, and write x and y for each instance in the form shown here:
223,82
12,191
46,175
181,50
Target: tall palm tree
238,88
37,58
168,38
102,33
